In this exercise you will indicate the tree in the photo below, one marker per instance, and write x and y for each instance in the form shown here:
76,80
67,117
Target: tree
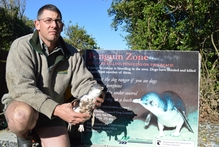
11,28
78,37
165,24
13,24
14,6
191,25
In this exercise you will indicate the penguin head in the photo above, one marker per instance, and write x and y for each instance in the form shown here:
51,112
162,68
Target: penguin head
149,101
95,90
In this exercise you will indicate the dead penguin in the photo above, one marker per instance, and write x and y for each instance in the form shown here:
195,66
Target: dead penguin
169,109
87,104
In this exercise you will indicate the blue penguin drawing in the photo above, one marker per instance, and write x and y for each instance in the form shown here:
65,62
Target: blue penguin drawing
169,109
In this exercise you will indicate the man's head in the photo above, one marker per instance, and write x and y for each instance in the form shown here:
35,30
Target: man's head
49,24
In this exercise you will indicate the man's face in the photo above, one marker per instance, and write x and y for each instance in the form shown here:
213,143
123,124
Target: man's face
49,26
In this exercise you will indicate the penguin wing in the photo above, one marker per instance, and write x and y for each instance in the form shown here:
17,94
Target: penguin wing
182,113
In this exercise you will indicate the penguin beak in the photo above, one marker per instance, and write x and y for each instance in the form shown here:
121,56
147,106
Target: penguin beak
136,100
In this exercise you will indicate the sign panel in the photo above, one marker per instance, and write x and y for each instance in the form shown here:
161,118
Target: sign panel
151,98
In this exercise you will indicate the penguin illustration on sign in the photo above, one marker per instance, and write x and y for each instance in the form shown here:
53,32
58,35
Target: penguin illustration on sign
169,109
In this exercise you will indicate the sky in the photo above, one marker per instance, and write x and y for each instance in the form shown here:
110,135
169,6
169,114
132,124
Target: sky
90,14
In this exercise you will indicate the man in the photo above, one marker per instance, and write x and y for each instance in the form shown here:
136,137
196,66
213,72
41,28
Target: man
40,67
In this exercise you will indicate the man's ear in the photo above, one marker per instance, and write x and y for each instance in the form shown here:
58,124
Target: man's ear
62,26
37,24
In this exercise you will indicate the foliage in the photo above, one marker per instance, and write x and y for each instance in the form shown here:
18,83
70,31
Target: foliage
12,25
11,28
78,37
164,24
15,6
209,90
29,23
191,25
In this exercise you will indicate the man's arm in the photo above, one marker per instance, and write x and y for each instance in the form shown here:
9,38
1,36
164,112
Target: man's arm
21,79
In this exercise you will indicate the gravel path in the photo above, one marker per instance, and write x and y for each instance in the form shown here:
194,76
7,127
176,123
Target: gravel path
208,136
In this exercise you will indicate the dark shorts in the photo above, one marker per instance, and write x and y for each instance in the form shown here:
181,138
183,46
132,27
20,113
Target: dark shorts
44,121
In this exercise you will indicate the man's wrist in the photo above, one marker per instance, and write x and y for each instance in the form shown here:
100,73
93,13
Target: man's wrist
55,112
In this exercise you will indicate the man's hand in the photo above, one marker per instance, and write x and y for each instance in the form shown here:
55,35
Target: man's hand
65,112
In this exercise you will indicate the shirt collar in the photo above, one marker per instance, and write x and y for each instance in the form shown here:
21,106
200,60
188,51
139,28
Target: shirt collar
45,48
37,45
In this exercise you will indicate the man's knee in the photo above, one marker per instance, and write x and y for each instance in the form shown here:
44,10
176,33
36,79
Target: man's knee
20,116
